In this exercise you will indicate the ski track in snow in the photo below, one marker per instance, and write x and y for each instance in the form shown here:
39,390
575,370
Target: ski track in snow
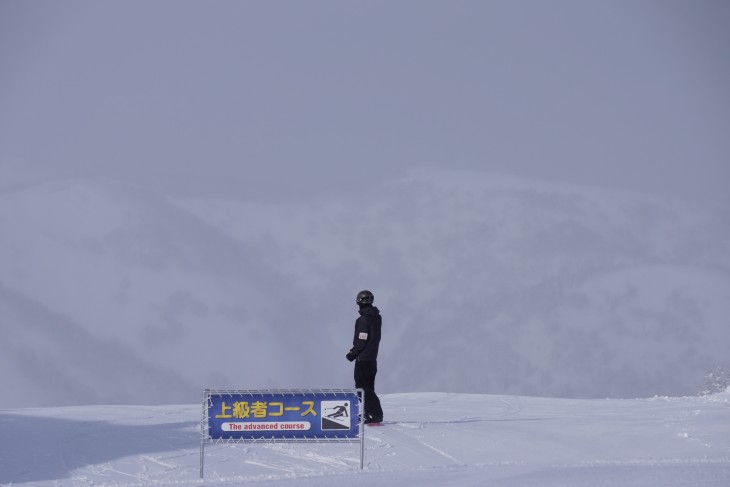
429,439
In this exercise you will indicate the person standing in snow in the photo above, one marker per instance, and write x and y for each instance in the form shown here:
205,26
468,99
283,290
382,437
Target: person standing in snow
365,353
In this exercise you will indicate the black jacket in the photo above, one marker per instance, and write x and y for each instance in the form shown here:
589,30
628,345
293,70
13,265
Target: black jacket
367,334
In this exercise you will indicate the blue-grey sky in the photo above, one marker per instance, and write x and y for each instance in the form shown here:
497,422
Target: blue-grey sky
289,98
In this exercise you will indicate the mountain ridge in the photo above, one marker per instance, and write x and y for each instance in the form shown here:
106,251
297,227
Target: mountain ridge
489,277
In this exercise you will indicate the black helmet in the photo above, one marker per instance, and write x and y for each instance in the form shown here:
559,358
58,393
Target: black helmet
365,297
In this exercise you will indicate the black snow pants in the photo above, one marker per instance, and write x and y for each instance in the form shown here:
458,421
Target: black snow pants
365,379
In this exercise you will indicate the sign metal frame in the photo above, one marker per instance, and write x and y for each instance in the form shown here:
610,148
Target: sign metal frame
206,437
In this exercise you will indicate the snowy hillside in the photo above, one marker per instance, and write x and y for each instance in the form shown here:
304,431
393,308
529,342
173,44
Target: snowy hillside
487,284
127,267
430,439
505,285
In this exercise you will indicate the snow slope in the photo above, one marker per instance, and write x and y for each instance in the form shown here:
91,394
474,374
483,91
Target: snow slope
431,439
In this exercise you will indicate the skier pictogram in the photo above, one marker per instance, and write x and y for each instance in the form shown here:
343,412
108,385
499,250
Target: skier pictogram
339,411
335,415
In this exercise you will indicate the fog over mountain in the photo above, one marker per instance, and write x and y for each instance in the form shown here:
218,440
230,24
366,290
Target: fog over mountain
112,293
192,193
45,358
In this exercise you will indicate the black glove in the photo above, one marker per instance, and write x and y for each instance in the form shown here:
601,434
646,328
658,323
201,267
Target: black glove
351,356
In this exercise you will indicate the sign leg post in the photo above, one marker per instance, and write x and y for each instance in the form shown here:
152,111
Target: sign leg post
202,458
361,393
203,426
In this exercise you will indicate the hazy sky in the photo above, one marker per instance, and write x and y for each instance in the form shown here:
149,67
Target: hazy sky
289,98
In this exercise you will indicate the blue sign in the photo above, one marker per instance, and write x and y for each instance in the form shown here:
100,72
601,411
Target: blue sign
274,415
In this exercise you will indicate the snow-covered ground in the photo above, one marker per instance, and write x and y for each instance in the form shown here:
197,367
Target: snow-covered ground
430,439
